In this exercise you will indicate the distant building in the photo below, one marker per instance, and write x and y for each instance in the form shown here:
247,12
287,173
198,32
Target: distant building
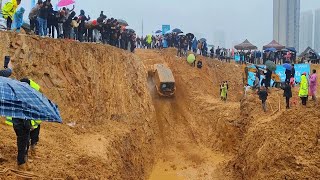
286,21
306,30
317,30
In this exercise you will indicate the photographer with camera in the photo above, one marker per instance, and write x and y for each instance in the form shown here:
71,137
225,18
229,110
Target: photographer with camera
7,71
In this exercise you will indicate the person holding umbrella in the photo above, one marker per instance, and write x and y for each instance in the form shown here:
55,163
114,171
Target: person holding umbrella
304,89
23,103
288,72
35,124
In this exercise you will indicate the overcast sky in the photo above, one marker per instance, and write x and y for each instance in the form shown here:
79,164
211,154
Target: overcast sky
238,19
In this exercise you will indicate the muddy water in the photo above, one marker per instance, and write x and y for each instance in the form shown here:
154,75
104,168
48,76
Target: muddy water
189,162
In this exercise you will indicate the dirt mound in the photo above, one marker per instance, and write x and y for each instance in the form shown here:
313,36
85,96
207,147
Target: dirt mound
284,147
100,90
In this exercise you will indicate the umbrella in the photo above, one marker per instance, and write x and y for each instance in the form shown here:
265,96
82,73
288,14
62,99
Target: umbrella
122,22
271,65
130,30
19,100
191,58
190,36
292,49
176,30
287,66
159,31
63,3
181,34
270,49
285,50
202,40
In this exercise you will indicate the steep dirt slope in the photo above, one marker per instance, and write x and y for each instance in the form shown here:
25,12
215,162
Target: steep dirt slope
99,89
198,131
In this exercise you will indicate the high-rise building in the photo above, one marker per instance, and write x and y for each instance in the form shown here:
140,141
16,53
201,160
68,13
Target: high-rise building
317,30
286,21
306,30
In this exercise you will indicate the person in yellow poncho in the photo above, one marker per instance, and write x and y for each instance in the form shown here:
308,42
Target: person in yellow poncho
304,89
149,41
8,11
224,91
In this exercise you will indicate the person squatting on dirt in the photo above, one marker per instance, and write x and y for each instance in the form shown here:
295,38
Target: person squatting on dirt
8,10
263,96
27,132
304,89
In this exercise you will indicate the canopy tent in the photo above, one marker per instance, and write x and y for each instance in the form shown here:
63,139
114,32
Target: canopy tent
309,49
274,44
246,45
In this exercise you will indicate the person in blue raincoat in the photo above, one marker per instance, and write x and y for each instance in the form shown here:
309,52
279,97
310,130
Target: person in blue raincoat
18,19
195,45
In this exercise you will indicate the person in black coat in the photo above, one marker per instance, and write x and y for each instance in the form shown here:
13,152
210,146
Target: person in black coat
268,75
263,95
293,71
287,94
288,75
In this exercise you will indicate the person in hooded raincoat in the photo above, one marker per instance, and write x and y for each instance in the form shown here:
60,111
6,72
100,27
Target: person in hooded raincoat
304,89
8,10
224,92
18,19
195,45
149,41
313,85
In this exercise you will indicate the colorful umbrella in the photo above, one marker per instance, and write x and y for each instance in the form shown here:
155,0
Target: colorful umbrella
287,66
271,65
270,49
19,100
63,3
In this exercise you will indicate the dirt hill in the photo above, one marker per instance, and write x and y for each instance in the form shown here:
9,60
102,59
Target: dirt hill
117,127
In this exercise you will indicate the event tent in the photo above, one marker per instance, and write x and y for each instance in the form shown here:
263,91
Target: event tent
309,49
274,44
246,45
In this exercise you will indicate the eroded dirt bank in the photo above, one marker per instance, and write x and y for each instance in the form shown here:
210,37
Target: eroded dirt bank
117,127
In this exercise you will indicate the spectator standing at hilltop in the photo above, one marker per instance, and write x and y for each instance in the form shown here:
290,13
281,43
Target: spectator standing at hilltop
33,15
45,9
67,26
81,29
8,10
18,19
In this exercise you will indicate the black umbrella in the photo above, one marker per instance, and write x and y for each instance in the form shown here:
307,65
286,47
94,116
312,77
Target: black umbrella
176,30
130,30
202,40
190,36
